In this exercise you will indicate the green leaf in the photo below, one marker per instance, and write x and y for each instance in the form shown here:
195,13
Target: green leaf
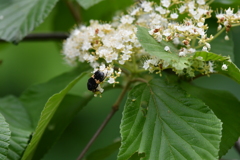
18,142
4,137
20,125
102,154
35,97
163,122
88,3
225,4
47,114
226,107
15,114
157,49
232,71
208,56
67,110
105,10
21,17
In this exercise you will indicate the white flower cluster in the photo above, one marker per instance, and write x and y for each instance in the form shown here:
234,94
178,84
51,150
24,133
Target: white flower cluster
103,43
228,18
116,44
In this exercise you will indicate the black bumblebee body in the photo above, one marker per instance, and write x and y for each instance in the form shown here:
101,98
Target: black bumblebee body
95,80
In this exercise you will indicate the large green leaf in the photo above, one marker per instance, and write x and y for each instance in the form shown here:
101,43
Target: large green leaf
88,3
67,110
157,49
47,114
21,17
163,122
20,125
4,137
35,97
226,107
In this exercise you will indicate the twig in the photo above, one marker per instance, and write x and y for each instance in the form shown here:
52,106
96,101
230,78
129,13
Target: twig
75,11
44,36
139,80
115,107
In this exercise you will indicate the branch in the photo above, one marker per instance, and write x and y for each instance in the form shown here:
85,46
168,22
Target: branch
75,11
115,107
44,36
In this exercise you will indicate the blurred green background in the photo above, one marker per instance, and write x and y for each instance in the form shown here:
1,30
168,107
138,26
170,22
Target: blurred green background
35,62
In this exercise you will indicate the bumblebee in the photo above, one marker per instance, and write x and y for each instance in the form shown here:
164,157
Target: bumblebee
95,80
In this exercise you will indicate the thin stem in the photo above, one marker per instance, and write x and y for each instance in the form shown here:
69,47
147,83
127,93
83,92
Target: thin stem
96,134
215,36
115,107
44,36
139,80
235,25
210,2
126,72
75,11
193,42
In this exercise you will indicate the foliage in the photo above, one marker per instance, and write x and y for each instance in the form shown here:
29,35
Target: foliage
156,57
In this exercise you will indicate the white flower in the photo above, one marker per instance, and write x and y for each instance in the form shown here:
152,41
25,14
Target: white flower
127,19
225,23
86,45
165,3
200,24
161,10
191,5
220,16
100,89
182,9
229,12
174,15
134,12
121,62
176,40
208,45
201,2
224,67
125,57
151,32
226,38
146,64
102,67
147,6
75,32
167,32
191,50
211,68
205,49
166,48
111,80
219,27
182,54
